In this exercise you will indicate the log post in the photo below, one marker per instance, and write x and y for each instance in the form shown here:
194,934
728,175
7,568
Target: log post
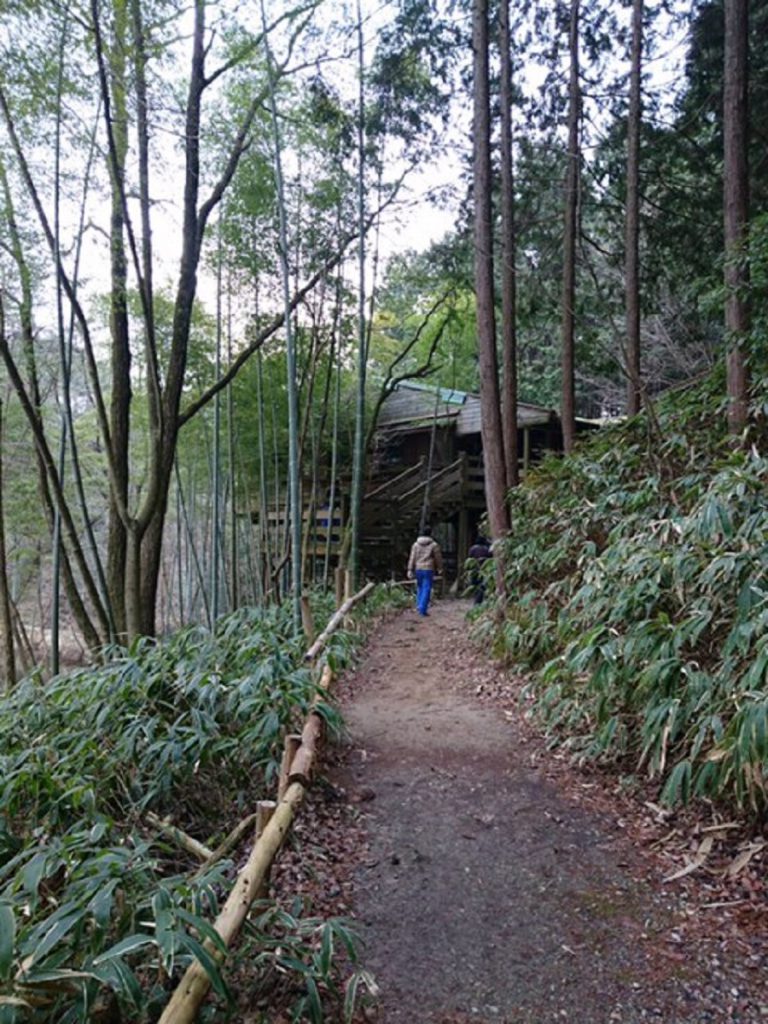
307,621
264,811
338,579
292,744
304,759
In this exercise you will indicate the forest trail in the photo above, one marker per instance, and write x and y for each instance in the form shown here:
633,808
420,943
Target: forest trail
489,894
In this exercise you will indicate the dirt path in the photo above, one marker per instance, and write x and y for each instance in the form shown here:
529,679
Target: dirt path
488,895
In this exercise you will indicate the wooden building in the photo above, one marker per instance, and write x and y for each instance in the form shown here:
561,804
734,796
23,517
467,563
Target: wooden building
427,464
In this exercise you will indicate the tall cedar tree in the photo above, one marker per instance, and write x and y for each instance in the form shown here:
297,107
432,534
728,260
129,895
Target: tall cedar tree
490,411
568,409
736,206
632,238
508,254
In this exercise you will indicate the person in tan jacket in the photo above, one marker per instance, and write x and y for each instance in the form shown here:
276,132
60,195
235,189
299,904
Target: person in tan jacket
425,560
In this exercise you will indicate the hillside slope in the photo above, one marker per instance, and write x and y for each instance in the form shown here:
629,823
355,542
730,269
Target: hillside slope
636,576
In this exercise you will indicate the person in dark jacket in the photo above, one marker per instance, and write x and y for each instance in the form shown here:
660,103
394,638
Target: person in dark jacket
479,554
425,560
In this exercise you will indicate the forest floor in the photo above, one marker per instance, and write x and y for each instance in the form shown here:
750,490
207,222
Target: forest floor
494,882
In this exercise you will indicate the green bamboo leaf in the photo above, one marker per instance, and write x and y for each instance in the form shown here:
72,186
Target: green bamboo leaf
209,962
7,940
127,945
53,932
326,951
121,979
314,1002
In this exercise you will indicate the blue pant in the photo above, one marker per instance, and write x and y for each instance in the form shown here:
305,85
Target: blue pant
424,579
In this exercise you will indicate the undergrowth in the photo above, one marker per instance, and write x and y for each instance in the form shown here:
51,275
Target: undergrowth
97,912
637,578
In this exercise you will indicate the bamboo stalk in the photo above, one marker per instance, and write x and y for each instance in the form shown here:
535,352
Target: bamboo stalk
307,621
185,1001
229,842
336,620
186,842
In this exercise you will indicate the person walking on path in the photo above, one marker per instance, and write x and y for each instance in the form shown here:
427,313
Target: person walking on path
425,560
479,554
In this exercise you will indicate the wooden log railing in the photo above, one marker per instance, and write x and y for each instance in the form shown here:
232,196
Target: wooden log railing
296,772
450,475
392,488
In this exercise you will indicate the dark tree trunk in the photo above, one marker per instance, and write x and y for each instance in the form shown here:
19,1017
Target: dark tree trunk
568,410
120,398
736,207
632,240
508,255
490,412
6,612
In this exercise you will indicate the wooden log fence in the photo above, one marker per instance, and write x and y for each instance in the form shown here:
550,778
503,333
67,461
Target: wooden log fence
335,621
273,824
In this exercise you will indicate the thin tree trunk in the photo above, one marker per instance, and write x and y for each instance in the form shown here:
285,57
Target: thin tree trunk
736,207
568,409
120,394
490,411
231,449
632,226
334,456
508,255
358,453
294,475
6,613
216,449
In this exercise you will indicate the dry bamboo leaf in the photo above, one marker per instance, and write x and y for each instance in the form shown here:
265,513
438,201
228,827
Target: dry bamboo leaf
705,847
739,862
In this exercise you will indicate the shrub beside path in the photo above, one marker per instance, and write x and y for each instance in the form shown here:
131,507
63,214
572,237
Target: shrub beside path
489,893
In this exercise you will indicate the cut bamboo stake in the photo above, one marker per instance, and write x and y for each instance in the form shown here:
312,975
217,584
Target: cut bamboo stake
264,812
185,1001
335,621
186,842
307,622
338,579
325,679
292,743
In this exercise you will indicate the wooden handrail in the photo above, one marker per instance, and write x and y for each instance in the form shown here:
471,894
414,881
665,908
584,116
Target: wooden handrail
389,483
431,481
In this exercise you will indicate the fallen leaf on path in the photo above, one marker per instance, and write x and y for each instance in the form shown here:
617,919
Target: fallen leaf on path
742,859
705,847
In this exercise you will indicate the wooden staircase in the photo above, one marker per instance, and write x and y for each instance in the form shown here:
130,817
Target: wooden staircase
392,510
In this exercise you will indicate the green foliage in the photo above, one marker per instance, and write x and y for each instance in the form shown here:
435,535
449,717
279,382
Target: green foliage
637,573
96,913
307,952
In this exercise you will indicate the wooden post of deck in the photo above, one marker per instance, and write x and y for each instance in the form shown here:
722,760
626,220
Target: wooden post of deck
462,541
526,449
